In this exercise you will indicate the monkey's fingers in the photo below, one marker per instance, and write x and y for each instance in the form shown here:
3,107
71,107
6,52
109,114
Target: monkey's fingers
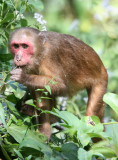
16,78
16,71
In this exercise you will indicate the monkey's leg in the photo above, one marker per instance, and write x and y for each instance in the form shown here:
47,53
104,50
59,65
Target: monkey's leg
44,119
95,105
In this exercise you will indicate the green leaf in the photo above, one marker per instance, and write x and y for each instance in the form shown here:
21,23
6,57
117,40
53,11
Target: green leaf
3,150
11,98
37,4
112,131
112,100
23,22
14,86
2,89
18,154
28,138
12,108
39,100
46,93
30,102
40,90
68,117
86,130
0,140
87,155
83,137
107,152
5,57
13,118
29,157
19,93
102,135
45,98
69,150
2,115
84,155
22,8
8,18
48,88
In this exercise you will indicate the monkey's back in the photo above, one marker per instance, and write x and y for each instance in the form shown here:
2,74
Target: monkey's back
79,63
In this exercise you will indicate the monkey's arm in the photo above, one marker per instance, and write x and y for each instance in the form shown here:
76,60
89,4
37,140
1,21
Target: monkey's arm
39,81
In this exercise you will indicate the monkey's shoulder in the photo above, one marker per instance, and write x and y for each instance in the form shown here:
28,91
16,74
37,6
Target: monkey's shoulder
59,36
63,46
64,40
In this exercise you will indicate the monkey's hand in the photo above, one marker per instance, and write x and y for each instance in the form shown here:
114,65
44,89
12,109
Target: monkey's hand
16,74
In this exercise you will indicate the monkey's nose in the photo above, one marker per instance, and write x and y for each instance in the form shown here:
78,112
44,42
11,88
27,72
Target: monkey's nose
18,58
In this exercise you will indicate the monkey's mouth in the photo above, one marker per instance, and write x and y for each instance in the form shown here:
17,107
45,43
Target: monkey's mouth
21,66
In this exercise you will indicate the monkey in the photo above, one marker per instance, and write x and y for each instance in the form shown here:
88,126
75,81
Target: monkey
41,56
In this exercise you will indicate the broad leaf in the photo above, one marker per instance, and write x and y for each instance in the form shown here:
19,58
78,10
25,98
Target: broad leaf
30,102
67,117
107,152
37,5
88,155
2,115
69,150
112,100
48,88
12,108
19,93
28,138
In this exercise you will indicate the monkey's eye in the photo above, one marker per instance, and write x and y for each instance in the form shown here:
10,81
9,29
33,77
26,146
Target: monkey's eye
24,45
15,46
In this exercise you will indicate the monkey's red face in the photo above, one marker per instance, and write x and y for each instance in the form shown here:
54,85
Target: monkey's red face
23,51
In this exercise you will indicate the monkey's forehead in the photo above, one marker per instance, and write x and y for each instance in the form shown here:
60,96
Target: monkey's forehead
20,38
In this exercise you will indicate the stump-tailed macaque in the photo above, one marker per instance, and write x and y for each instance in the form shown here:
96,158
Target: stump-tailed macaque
42,56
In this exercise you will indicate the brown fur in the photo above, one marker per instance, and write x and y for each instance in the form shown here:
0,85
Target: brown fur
72,63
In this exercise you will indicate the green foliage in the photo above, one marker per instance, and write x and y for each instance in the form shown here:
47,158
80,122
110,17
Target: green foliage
20,136
112,100
93,21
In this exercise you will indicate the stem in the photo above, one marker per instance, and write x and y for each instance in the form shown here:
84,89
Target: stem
10,23
110,123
